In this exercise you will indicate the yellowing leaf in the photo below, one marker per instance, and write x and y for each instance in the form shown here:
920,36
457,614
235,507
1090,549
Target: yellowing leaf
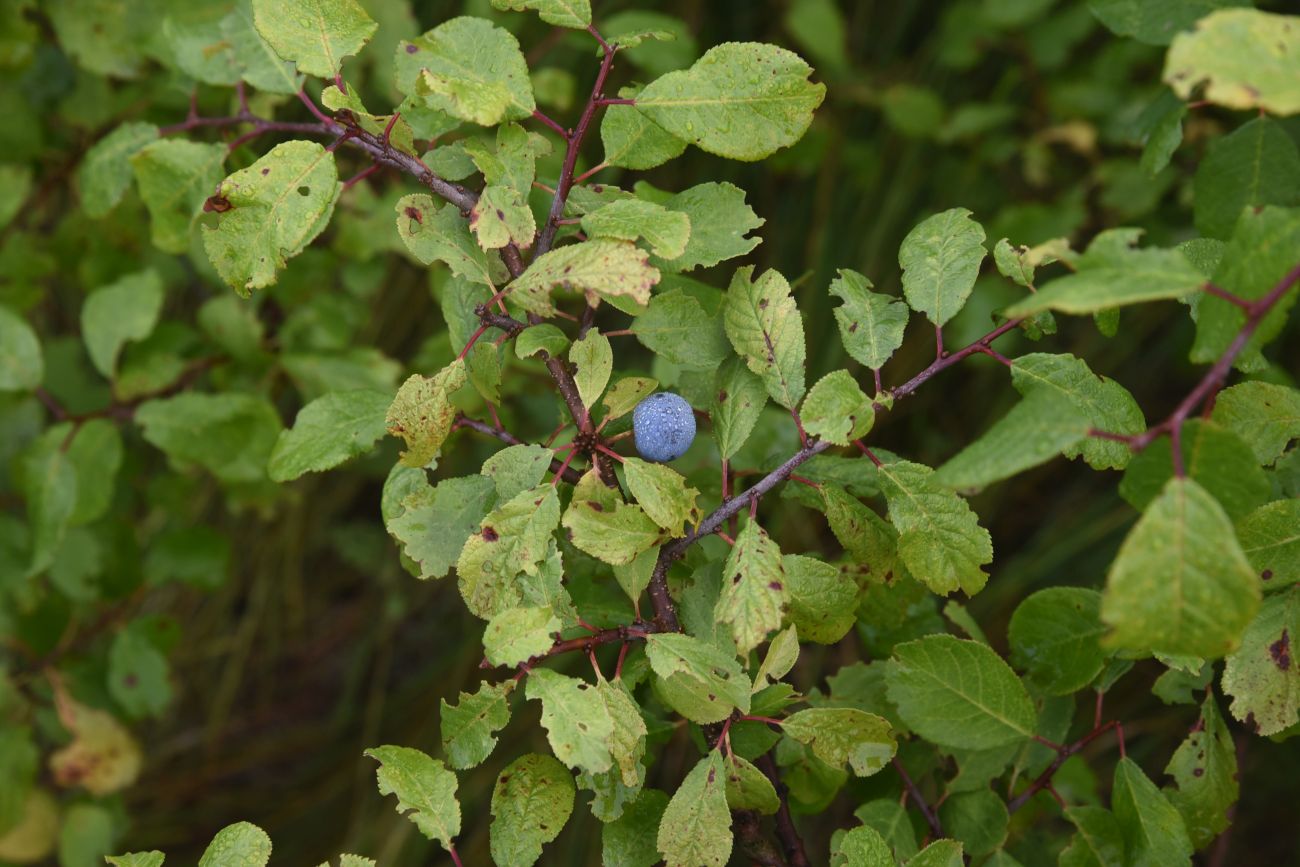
422,412
766,328
602,266
754,597
1245,59
315,34
103,758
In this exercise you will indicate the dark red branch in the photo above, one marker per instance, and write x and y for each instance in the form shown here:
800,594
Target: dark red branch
931,817
569,474
786,832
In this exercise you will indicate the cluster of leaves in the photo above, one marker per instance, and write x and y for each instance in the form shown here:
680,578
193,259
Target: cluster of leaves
708,614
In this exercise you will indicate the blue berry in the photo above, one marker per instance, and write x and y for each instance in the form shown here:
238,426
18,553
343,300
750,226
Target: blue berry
663,426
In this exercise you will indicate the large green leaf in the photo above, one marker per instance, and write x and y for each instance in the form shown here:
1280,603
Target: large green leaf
1244,59
175,177
1266,416
516,635
467,68
742,100
1204,767
696,826
1254,165
823,598
315,34
721,221
844,735
1180,583
531,803
435,522
959,693
871,324
698,680
425,790
837,410
939,537
607,528
469,727
1054,636
577,723
272,210
1036,430
1262,675
328,431
434,234
1153,831
766,328
676,327
231,434
663,494
514,538
940,259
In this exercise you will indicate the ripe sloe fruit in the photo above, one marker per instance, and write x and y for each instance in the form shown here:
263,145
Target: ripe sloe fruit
663,427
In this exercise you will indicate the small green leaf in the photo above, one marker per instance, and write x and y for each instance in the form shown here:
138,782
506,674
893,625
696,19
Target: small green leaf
1054,636
469,727
738,403
664,495
1098,842
434,234
435,522
328,431
137,859
625,394
1264,415
575,14
782,653
676,327
175,178
720,223
516,635
514,538
836,409
607,528
1020,262
1036,430
754,597
1256,164
939,537
940,259
861,847
422,412
22,366
543,337
766,328
467,68
513,163
634,141
138,673
121,312
666,232
698,680
1243,58
959,693
741,100
1270,539
242,843
501,216
531,802
315,34
576,720
1262,675
594,359
823,599
1154,834
600,267
696,827
844,735
978,819
105,172
1180,583
871,324
748,788
517,468
1204,767
425,790
277,206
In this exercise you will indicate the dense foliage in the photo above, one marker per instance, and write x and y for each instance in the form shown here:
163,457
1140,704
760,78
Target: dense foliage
349,355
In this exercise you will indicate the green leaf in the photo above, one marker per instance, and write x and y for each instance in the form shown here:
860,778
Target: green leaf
959,693
593,358
837,410
105,172
1258,257
607,528
516,635
544,338
1019,262
940,259
748,788
766,328
1164,135
738,403
633,141
782,653
742,100
1098,842
577,723
1036,430
231,435
696,827
469,727
939,537
861,847
665,231
501,216
242,843
1110,274
175,178
137,859
1256,164
517,468
531,802
754,597
601,267
258,63
513,163
1239,58
1262,675
328,431
664,495
22,366
1154,834
629,840
697,680
422,412
437,521
1264,415
425,790
198,47
113,315
978,819
889,819
19,760
871,324
823,599
720,223
1106,404
513,538
1054,636
434,234
315,34
676,327
138,673
625,394
277,206
562,13
1180,583
1270,539
1204,767
1213,457
469,69
844,735
1155,22
940,853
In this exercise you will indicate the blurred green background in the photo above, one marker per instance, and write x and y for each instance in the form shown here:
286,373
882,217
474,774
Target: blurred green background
311,643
